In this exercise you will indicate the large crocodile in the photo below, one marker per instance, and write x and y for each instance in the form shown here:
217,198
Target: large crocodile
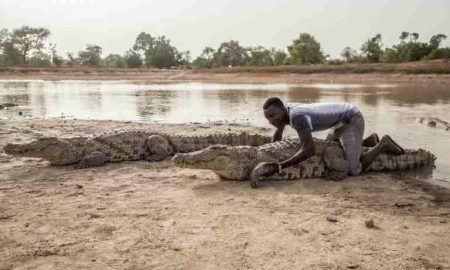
124,145
241,162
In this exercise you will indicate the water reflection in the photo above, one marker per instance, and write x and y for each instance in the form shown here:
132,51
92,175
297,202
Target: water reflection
155,104
388,109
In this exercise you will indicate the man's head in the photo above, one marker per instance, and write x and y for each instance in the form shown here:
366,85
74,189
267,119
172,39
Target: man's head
275,112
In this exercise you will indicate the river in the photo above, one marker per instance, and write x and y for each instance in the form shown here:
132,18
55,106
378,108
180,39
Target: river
388,109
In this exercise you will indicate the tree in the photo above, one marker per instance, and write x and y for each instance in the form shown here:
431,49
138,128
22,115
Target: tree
229,54
133,59
26,39
143,43
259,56
157,52
436,40
4,35
415,51
403,36
163,54
206,59
279,57
39,59
185,59
91,56
305,50
56,59
72,60
440,53
348,54
372,49
10,55
114,61
390,56
436,52
208,52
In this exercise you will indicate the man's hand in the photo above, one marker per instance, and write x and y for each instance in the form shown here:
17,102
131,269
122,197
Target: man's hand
278,135
269,168
307,149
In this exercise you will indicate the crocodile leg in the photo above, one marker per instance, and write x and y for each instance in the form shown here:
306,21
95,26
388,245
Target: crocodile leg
337,166
159,148
93,159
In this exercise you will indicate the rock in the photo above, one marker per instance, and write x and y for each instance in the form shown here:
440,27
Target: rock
369,223
401,204
431,123
332,219
93,216
7,105
353,266
79,186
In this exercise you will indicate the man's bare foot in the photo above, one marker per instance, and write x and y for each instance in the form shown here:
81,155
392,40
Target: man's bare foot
371,140
391,146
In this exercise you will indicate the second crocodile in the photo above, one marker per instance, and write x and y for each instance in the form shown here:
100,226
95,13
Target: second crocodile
241,162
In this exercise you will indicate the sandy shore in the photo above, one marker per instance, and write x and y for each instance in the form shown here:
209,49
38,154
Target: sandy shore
141,215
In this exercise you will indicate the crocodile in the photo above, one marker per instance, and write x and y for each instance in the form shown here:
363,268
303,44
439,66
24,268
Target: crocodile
433,121
124,145
247,162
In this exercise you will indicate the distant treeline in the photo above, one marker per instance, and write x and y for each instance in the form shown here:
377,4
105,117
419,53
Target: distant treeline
26,46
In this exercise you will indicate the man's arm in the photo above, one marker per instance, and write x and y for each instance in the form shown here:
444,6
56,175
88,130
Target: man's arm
307,149
278,135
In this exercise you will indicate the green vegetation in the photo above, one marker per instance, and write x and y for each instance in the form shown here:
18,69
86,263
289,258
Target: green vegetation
26,46
305,50
91,56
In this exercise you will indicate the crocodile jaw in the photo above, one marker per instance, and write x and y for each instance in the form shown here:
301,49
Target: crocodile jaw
226,162
50,149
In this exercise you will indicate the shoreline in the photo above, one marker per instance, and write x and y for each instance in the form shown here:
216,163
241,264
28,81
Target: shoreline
234,75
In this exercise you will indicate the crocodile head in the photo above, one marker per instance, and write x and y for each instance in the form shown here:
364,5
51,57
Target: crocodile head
51,149
229,162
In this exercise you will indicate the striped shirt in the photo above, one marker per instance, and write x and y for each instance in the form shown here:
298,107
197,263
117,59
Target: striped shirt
311,117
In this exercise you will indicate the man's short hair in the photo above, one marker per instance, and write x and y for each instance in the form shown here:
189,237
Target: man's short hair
273,101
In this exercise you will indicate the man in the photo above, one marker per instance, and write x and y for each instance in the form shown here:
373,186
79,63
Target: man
346,122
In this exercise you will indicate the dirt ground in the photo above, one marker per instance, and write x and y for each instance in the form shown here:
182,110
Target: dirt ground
142,215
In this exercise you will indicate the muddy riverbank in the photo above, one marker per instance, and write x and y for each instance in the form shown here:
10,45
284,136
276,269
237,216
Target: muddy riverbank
141,215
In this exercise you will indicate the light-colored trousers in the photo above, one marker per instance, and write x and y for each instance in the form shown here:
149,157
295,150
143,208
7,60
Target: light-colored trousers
351,136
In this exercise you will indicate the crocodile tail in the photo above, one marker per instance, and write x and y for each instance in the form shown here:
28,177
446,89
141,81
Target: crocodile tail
409,160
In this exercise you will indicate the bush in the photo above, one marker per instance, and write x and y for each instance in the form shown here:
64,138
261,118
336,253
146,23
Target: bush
132,59
441,53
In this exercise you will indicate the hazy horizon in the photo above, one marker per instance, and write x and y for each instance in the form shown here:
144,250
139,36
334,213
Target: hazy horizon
194,24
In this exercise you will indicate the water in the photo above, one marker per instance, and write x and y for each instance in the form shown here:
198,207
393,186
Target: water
388,109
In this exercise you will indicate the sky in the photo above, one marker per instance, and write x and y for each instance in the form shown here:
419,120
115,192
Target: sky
194,24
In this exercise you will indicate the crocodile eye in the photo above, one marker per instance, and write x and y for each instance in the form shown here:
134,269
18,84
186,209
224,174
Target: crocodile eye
216,147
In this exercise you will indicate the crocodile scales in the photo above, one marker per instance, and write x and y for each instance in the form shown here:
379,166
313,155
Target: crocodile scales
124,146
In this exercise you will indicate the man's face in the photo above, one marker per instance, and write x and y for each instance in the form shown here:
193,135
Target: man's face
276,116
